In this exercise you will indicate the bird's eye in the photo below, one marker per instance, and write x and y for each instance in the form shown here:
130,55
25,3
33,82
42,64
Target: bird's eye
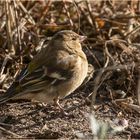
59,36
73,38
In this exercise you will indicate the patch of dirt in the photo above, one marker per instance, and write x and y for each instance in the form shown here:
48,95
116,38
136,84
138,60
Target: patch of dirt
35,120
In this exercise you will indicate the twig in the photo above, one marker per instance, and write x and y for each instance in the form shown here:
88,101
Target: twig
9,132
78,14
8,27
18,31
99,75
90,13
96,87
68,13
98,63
28,16
138,89
45,10
4,64
132,32
85,15
108,55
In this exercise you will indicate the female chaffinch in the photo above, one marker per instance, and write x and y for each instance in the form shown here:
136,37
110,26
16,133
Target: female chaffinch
55,72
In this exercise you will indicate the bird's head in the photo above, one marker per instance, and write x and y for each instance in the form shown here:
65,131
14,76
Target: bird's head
68,38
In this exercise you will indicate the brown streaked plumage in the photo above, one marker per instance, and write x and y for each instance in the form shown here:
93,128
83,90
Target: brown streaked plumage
55,72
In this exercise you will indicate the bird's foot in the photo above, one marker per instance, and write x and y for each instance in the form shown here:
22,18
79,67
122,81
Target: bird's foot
56,103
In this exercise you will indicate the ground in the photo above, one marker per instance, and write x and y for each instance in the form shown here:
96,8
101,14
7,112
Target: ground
24,119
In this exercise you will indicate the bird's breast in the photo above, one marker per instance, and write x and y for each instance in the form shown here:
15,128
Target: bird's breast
79,73
81,69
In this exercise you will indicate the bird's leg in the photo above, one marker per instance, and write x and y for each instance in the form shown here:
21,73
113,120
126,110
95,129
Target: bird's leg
56,102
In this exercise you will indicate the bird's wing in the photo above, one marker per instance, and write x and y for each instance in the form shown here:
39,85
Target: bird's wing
57,69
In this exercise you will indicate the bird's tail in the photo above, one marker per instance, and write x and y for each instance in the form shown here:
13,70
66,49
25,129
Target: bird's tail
11,92
14,89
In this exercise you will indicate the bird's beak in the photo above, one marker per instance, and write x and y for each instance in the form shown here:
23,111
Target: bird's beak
82,38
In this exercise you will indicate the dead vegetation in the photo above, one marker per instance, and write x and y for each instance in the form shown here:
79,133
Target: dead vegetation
112,47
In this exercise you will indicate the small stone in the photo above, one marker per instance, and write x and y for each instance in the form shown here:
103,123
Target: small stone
23,121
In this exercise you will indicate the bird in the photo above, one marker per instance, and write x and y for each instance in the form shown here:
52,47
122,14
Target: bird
53,73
